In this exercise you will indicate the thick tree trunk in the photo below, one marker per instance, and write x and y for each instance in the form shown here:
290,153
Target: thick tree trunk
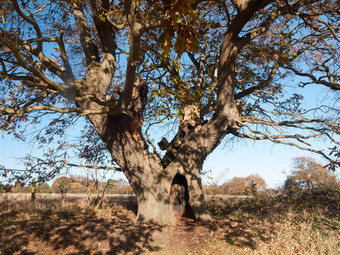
144,171
191,170
172,184
163,199
154,203
152,182
197,200
150,178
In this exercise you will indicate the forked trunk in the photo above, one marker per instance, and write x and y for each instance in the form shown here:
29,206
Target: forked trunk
167,187
164,193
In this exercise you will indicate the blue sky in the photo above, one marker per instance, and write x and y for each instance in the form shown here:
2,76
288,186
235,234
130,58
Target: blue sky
271,161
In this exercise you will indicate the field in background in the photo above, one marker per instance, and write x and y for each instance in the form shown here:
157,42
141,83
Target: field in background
307,223
68,197
108,197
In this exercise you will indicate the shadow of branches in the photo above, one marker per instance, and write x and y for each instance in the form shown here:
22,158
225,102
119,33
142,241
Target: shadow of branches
74,231
54,227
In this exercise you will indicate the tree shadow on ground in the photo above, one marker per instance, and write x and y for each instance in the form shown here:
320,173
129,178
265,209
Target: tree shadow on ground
235,223
74,232
241,222
232,232
67,232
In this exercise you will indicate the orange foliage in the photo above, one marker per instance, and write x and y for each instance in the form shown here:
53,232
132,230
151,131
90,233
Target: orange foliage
309,174
239,186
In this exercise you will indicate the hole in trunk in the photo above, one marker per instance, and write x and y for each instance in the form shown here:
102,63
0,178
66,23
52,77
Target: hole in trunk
179,197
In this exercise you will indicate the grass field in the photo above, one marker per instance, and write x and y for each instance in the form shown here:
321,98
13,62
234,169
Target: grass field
308,223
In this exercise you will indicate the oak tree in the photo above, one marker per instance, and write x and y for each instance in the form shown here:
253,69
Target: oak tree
308,174
244,185
217,69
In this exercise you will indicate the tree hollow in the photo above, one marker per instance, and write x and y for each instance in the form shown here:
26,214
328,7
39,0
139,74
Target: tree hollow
179,197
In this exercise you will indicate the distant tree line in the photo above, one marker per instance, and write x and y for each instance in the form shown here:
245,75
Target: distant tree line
73,184
306,174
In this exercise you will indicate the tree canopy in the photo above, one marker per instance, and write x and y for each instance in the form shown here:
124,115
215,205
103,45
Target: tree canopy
309,174
217,69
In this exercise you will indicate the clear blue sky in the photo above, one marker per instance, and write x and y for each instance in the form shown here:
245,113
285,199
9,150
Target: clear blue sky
271,161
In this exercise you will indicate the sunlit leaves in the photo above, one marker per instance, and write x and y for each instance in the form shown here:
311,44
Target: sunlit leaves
178,18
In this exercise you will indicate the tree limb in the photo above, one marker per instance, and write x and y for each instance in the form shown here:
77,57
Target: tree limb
20,111
29,20
274,139
21,61
66,163
334,85
261,85
134,53
330,28
89,48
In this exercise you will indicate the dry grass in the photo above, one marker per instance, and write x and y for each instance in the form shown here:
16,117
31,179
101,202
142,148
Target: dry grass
308,223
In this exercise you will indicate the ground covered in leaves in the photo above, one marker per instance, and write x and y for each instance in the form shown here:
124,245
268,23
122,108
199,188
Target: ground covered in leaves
308,223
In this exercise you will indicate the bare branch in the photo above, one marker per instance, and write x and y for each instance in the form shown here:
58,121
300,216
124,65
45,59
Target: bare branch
68,69
330,27
48,63
11,111
108,44
334,85
21,61
151,25
244,5
260,86
66,163
275,139
29,20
